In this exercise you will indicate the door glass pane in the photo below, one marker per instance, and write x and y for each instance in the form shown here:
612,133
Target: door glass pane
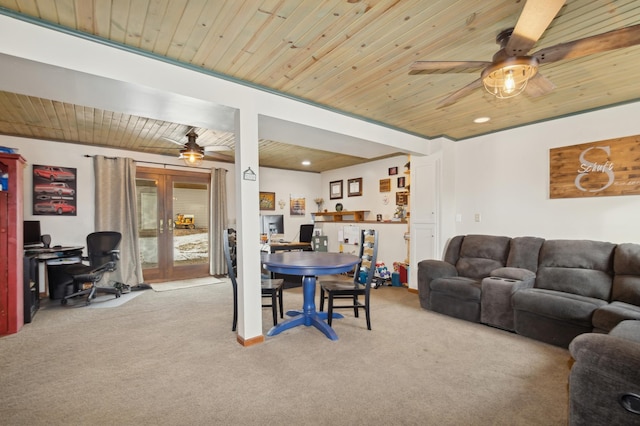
147,191
191,223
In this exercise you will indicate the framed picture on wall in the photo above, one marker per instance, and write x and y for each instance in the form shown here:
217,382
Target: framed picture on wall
267,200
355,187
385,185
335,190
393,171
54,190
297,205
402,198
401,182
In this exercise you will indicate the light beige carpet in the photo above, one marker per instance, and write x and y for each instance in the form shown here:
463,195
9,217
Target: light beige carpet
181,284
170,358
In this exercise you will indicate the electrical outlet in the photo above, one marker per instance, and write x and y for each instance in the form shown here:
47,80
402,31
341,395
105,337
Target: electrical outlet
477,217
458,218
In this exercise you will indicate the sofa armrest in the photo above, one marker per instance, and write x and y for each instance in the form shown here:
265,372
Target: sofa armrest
429,270
523,278
433,269
611,356
518,274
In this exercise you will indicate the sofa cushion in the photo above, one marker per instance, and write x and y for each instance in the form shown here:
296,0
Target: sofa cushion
572,308
458,287
481,254
580,267
626,282
524,252
608,316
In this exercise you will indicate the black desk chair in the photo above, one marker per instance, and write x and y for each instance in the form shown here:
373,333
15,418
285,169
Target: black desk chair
103,255
271,288
361,284
306,233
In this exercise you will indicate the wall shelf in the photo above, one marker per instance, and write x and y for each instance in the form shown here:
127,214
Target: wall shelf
353,216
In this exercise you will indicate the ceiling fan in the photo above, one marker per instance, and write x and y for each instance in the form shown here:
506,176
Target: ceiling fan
512,69
192,153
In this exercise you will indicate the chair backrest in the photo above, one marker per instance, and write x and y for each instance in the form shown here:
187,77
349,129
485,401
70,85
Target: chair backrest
102,247
228,244
481,254
306,233
365,270
626,281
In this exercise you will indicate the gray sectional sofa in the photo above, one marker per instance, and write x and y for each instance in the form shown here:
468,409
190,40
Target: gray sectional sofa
549,290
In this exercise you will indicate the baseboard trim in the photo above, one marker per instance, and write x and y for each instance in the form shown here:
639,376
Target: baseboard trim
412,290
250,342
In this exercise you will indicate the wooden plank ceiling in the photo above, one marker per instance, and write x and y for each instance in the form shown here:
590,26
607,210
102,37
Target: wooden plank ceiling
349,55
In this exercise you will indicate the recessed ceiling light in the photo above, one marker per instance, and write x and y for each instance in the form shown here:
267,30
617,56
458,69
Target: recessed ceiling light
306,163
481,120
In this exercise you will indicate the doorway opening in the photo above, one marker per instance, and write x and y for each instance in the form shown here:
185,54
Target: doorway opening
173,219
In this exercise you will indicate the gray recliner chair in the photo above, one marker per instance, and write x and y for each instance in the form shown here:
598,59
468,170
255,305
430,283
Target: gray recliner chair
453,286
604,384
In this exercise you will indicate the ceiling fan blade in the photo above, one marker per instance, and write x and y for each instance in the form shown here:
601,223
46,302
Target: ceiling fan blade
217,148
219,156
443,67
173,141
460,93
539,85
534,20
616,39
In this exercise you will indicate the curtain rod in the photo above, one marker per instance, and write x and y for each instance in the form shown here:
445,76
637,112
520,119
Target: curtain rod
160,164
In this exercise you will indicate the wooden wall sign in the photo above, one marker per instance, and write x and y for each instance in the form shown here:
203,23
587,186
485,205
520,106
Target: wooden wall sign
385,185
597,169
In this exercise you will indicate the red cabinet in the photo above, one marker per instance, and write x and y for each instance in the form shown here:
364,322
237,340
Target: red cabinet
11,245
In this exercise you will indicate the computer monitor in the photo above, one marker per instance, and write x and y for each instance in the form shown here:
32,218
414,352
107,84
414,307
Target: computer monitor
31,233
306,233
272,224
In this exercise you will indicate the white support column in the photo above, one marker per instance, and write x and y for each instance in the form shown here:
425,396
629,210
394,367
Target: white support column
247,208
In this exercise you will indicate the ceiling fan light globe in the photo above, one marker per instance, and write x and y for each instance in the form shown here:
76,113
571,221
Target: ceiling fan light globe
191,158
508,78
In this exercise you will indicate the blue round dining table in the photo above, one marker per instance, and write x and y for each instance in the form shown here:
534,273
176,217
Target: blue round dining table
308,265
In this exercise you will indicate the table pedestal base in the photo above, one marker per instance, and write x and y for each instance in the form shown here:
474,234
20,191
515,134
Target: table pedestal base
308,316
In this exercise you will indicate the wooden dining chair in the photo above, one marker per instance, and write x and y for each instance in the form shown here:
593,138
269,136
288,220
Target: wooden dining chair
270,288
361,284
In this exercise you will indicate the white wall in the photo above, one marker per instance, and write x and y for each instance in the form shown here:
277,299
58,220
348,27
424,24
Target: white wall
392,246
505,178
286,183
372,198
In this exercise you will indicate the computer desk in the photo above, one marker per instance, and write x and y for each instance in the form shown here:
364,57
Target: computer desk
52,255
276,247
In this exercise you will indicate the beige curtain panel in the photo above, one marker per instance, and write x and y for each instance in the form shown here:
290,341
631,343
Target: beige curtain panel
218,221
116,210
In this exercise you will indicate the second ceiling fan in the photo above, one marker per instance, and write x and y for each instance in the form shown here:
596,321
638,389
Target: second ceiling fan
192,153
513,70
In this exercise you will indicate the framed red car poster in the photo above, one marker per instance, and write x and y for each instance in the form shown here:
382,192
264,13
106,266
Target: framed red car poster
54,190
